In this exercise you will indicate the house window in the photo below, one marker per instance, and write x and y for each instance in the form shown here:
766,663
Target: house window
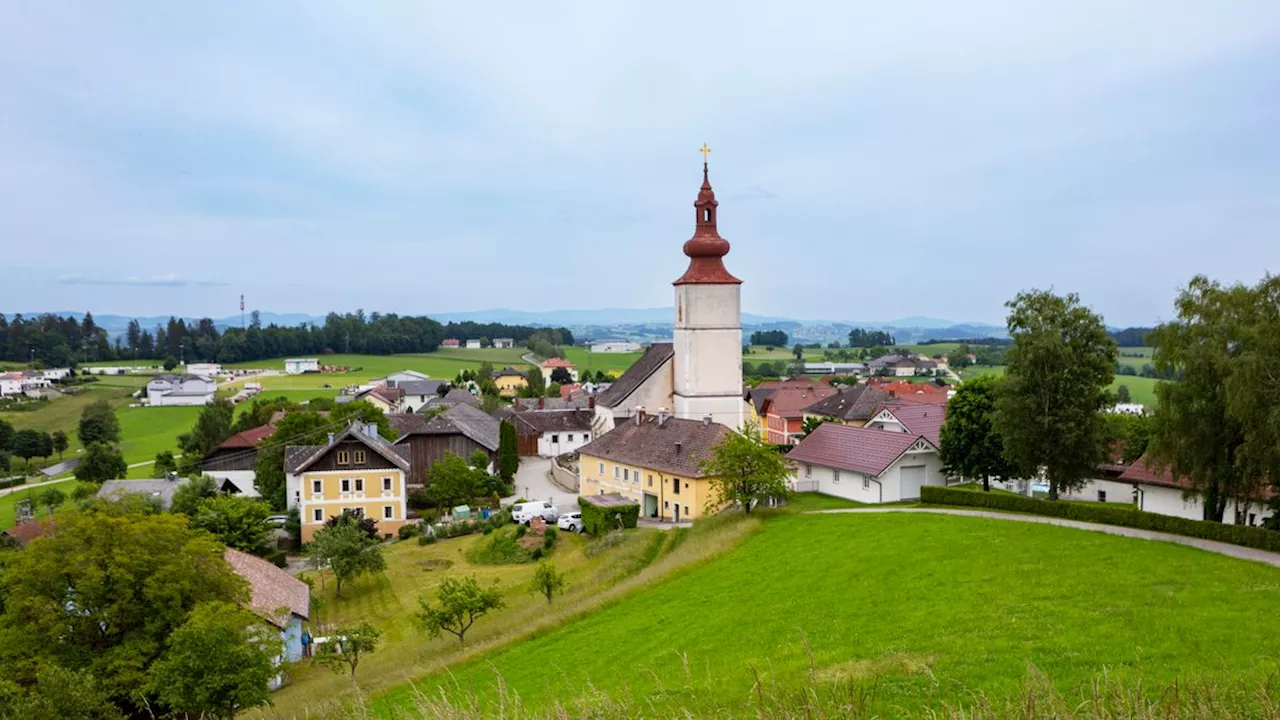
555,438
650,479
317,515
346,485
866,483
835,476
626,474
359,484
359,457
586,437
616,471
1253,518
666,504
686,511
1102,496
808,470
386,484
568,438
601,469
388,512
635,476
344,457
675,486
317,486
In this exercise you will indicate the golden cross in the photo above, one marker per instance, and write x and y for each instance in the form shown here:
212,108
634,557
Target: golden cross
705,152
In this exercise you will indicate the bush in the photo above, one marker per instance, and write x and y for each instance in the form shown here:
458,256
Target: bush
426,539
487,529
1242,535
278,558
536,554
12,482
407,531
599,521
502,548
607,542
521,530
549,537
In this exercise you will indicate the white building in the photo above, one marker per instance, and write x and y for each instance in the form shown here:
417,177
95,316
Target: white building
204,369
473,344
404,376
698,374
297,366
171,390
55,374
615,346
558,431
504,343
10,384
865,464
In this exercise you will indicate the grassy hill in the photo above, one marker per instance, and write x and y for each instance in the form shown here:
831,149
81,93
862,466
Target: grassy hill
918,610
1141,390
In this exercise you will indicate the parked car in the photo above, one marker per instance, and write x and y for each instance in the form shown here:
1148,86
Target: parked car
526,511
571,521
277,520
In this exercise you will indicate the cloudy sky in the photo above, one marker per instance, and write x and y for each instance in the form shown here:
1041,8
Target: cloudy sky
873,160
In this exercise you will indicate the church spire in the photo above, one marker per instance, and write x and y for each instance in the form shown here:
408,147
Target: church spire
706,249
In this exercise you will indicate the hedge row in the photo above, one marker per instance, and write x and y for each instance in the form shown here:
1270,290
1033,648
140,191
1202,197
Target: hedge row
601,520
12,482
1243,535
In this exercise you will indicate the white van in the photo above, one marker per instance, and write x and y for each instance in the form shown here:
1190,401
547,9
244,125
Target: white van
526,511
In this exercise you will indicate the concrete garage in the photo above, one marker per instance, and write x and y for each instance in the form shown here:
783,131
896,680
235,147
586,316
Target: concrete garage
865,464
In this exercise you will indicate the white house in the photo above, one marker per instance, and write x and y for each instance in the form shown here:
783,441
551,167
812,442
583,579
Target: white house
297,366
417,394
10,384
204,369
549,366
558,431
504,343
901,365
169,390
473,344
865,464
404,376
615,346
834,368
55,374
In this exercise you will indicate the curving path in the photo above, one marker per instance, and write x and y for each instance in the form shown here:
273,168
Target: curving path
1227,549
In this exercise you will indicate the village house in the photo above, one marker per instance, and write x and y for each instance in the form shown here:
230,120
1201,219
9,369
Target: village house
55,374
24,382
655,460
451,343
615,346
158,491
904,392
473,344
278,598
783,410
865,464
233,464
901,365
417,394
549,367
914,419
298,366
455,396
204,369
509,381
402,376
835,368
460,430
11,384
850,405
552,432
357,471
174,390
504,343
383,397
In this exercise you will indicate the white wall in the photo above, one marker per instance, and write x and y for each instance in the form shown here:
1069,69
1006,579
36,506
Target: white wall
547,448
867,488
708,353
1114,491
1161,500
243,479
10,387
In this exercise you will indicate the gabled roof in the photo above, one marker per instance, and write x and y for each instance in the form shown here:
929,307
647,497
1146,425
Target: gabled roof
853,402
790,402
461,419
161,490
249,438
389,395
676,446
507,371
655,357
541,421
31,530
273,593
556,362
920,419
551,403
1146,472
860,449
420,387
355,431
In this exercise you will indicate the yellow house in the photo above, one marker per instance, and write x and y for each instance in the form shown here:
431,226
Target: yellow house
509,382
653,460
356,471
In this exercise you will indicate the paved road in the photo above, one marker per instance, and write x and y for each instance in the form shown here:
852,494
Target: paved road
1235,551
532,483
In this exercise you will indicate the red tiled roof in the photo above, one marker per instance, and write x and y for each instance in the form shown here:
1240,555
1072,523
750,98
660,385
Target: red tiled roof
864,450
790,402
249,438
28,531
557,362
271,589
1146,472
919,419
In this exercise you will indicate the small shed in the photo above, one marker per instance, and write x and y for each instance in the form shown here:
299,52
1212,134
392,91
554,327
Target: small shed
608,511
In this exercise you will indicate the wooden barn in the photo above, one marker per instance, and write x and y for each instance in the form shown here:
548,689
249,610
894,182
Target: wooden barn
460,430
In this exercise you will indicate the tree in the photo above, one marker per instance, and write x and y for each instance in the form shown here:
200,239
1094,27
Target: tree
101,462
29,444
367,525
236,520
187,498
134,578
1122,394
220,661
59,693
170,362
365,412
774,338
809,424
165,463
535,384
98,424
345,647
546,581
743,469
52,498
875,339
798,352
479,460
212,427
1049,411
553,390
972,446
1131,432
60,443
508,454
452,481
295,428
346,550
462,602
562,376
6,435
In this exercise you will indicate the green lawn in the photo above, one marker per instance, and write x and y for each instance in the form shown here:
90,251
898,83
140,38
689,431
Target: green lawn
807,501
929,609
8,503
975,370
1141,390
64,413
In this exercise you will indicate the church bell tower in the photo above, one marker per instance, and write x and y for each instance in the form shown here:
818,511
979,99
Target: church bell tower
708,327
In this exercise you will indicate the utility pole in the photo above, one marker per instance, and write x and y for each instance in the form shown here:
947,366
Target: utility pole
241,311
182,354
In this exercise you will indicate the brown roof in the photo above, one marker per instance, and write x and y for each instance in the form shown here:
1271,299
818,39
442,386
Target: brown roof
854,402
864,450
557,362
541,421
299,457
1146,472
28,531
462,420
389,395
405,423
790,402
274,593
676,446
655,357
249,438
920,419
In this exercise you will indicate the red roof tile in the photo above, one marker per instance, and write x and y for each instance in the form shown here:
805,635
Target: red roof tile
919,419
271,589
790,402
249,438
28,531
1146,472
557,362
864,450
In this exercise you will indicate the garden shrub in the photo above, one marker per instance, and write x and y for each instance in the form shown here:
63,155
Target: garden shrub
1243,535
536,554
521,530
607,542
599,520
549,537
407,531
426,539
502,548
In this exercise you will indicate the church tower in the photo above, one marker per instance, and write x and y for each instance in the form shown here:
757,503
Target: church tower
708,328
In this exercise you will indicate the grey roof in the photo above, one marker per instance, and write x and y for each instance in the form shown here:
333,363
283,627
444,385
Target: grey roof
655,357
551,403
461,419
162,490
541,421
420,387
676,446
895,359
854,402
355,431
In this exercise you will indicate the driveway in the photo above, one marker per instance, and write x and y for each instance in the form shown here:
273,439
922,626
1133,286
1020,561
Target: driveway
532,483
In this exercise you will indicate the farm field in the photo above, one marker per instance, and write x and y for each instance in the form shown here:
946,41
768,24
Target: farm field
1141,390
64,413
889,601
8,503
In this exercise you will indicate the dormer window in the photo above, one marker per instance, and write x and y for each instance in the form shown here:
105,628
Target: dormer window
344,457
359,457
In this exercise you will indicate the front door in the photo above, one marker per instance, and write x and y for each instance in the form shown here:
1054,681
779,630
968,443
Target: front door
677,513
650,505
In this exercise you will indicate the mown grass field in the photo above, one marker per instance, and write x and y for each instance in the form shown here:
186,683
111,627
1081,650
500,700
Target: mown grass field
927,609
1141,390
9,502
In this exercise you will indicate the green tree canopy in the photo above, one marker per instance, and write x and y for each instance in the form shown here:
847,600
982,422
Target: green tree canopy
220,661
98,424
346,550
236,520
101,462
508,453
295,428
453,482
743,469
462,602
212,427
30,443
1122,394
546,581
1055,389
365,412
971,443
346,646
187,498
58,693
536,384
60,442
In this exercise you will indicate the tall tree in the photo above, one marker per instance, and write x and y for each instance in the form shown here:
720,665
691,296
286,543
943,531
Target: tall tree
508,453
30,443
347,645
236,520
212,427
451,481
346,550
188,496
1055,389
971,443
743,469
295,428
536,384
60,443
219,662
101,462
1122,394
6,436
365,412
462,602
98,424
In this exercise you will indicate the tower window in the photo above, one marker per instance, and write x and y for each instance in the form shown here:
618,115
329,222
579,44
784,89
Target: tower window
706,214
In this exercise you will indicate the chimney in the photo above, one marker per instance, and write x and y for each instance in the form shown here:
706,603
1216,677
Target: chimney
663,414
591,402
678,444
542,403
371,429
330,438
706,419
639,414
